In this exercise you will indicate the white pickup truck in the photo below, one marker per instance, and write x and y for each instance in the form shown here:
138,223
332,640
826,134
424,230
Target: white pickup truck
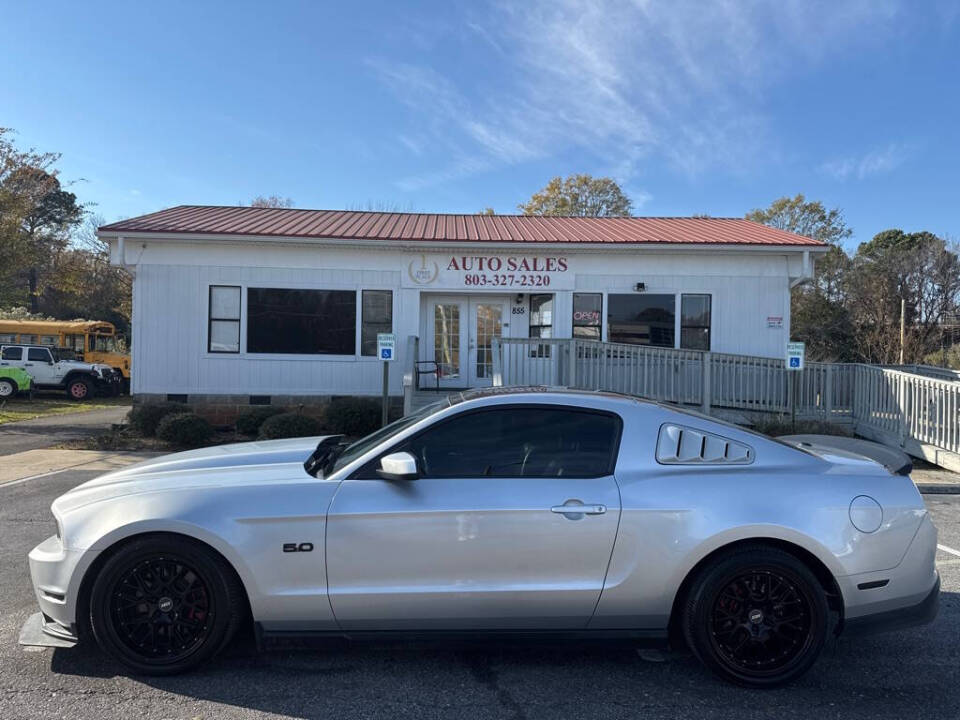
50,371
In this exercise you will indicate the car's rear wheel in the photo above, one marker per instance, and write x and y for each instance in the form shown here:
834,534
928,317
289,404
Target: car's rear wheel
756,617
78,389
163,605
7,388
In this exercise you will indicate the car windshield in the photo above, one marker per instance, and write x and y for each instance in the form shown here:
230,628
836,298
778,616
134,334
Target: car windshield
355,450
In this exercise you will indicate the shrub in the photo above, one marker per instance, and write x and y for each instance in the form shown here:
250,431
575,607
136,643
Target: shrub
185,429
353,416
249,422
288,425
145,418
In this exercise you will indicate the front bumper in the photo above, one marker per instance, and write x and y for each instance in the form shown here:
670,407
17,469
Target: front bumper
109,383
55,572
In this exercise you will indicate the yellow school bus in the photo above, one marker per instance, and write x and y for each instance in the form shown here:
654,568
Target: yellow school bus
93,341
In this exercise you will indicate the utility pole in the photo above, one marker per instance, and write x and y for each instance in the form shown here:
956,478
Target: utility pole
903,325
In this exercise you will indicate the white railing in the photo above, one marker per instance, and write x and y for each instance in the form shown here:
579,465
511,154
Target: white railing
895,405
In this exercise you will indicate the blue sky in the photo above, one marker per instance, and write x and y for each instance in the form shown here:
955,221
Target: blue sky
694,107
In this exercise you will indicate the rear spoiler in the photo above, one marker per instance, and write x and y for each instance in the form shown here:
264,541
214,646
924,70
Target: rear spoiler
893,459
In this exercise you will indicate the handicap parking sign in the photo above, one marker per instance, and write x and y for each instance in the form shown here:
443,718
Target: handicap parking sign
386,342
795,352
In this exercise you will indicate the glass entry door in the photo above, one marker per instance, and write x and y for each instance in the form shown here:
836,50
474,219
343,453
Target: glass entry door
487,319
448,325
460,333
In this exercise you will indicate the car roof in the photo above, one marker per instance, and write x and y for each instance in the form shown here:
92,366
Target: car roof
543,391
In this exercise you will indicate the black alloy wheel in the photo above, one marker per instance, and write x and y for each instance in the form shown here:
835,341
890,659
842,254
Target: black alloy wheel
757,617
163,604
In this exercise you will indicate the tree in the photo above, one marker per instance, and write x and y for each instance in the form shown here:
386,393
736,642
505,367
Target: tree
272,201
819,315
488,211
919,269
38,218
799,216
579,195
87,284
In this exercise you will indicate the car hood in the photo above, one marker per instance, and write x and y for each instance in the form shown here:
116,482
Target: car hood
241,463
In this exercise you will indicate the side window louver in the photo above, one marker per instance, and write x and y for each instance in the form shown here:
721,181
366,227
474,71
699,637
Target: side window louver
679,445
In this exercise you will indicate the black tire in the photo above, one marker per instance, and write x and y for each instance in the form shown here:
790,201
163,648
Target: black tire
79,389
756,617
192,604
8,388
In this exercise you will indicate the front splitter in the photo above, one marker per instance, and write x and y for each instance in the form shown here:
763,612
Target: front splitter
37,633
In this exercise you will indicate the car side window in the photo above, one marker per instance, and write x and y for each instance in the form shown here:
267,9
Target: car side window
12,353
38,355
535,442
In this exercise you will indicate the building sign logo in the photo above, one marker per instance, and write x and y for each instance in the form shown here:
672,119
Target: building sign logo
510,272
421,273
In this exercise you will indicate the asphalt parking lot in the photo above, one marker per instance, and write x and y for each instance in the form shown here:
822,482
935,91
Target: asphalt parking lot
912,674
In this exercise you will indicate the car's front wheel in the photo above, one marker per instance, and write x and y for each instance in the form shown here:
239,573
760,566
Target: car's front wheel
163,605
78,389
756,617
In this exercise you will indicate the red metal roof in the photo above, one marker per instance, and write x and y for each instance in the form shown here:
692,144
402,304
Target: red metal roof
425,227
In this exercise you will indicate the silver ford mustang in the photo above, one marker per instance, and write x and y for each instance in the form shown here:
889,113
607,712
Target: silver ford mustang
515,510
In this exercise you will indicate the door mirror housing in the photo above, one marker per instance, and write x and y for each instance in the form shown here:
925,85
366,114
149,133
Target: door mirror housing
398,466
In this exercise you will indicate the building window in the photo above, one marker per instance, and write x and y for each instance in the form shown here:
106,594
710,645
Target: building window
695,322
541,322
301,322
587,316
642,319
223,335
376,317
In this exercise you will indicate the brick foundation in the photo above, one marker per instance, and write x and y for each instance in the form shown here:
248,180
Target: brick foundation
223,410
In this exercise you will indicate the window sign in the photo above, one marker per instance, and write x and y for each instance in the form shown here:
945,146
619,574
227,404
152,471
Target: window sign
587,316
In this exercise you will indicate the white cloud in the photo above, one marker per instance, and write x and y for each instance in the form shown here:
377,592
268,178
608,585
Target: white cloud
620,81
875,162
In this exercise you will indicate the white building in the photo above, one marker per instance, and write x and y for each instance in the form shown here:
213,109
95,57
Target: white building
285,305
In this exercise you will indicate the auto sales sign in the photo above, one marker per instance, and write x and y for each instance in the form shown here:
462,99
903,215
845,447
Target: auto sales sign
511,273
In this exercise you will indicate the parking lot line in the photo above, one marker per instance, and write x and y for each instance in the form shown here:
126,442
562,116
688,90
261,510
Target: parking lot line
949,550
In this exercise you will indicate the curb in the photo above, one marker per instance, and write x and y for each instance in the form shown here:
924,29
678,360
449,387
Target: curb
938,489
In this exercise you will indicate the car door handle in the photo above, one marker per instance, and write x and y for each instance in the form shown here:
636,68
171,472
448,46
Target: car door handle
579,509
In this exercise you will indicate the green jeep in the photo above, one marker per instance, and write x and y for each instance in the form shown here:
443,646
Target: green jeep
12,381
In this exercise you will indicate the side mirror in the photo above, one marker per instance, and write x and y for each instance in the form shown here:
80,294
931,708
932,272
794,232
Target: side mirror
398,466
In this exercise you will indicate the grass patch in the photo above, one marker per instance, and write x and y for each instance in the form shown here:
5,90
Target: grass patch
23,409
